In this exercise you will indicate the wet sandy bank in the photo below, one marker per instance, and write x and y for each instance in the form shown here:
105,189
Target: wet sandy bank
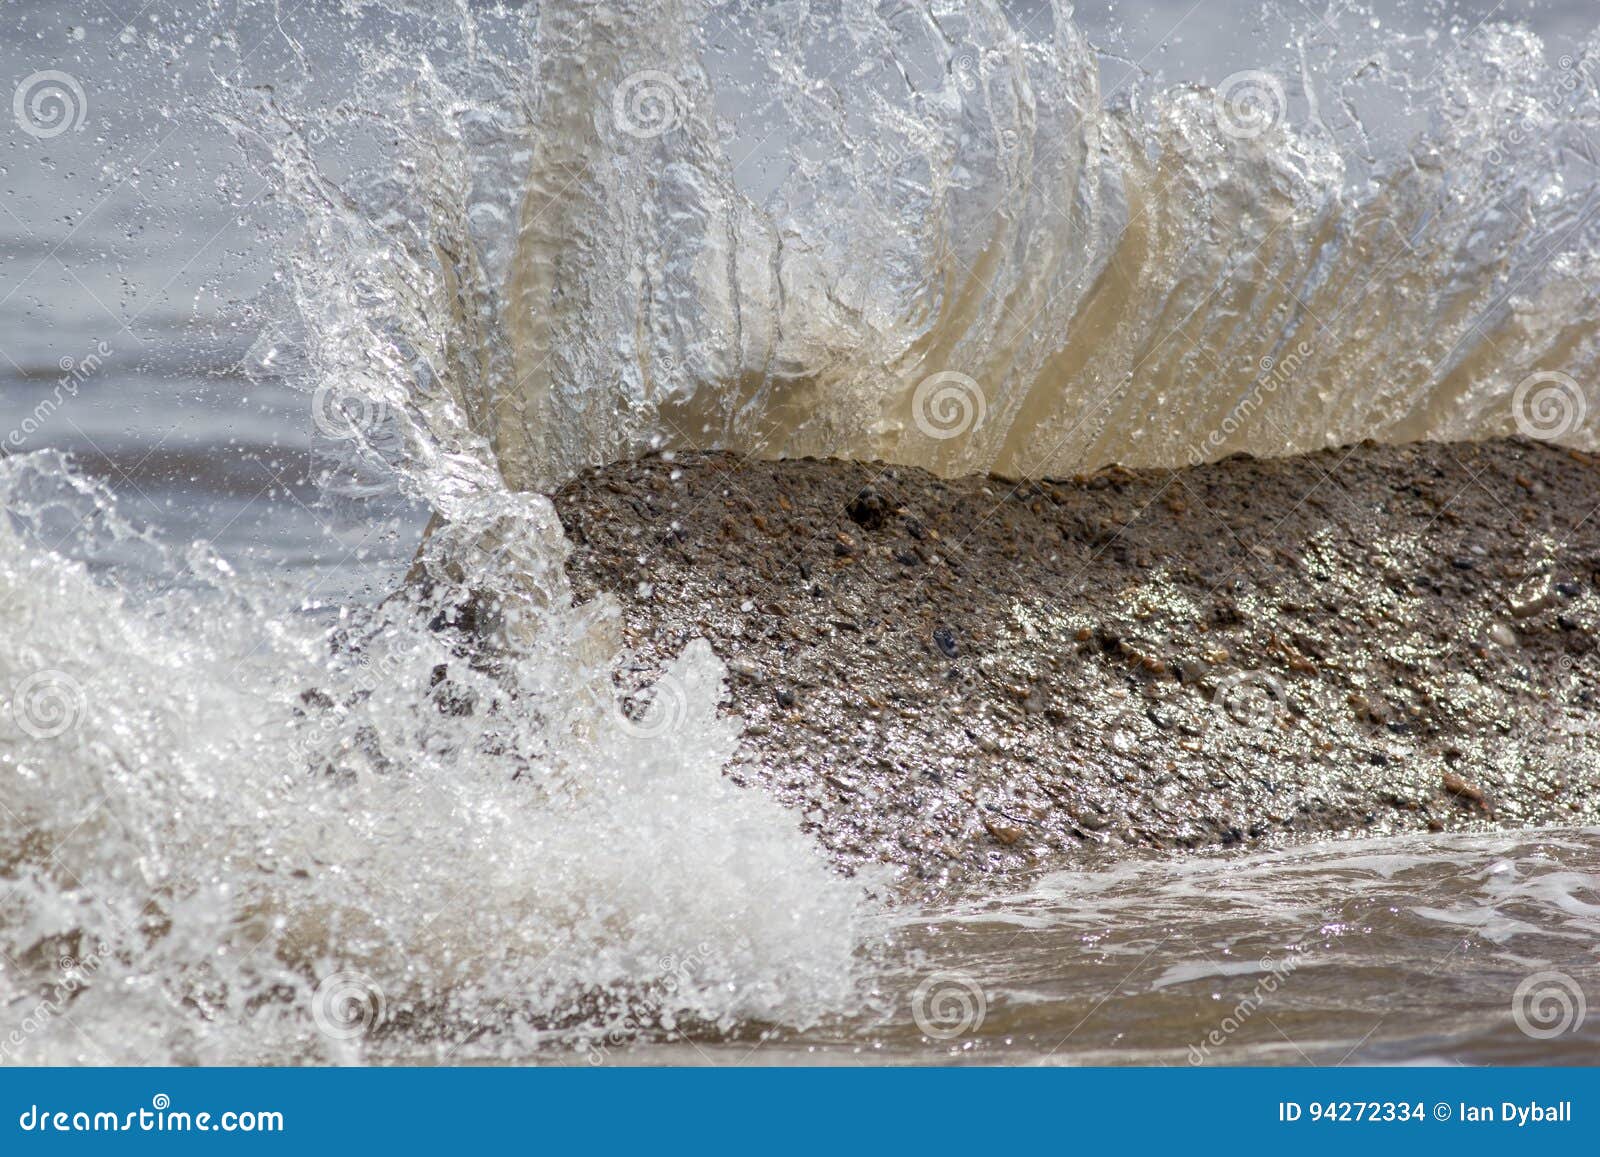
969,674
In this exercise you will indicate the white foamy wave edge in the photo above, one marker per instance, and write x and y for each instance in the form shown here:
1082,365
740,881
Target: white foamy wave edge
232,832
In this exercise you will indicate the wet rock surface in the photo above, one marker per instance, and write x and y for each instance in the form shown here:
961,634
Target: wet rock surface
976,674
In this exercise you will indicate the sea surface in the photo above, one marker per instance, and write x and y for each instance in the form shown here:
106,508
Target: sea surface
279,281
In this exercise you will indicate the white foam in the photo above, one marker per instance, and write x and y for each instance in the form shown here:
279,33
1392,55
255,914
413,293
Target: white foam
206,848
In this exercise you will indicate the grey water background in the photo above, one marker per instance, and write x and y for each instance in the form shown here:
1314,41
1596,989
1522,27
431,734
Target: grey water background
135,246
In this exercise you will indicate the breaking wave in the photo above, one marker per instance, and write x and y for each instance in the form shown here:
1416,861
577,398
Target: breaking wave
929,234
233,830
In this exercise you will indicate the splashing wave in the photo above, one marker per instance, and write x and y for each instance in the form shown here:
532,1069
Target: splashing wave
690,224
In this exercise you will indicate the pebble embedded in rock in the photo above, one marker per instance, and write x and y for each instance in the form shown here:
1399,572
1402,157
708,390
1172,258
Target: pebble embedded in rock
868,509
1004,833
1460,788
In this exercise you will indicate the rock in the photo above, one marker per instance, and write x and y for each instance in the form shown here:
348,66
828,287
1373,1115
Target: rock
1460,788
1213,698
1003,833
1531,599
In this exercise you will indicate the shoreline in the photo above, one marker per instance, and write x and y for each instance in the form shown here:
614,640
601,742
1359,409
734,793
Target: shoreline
954,676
